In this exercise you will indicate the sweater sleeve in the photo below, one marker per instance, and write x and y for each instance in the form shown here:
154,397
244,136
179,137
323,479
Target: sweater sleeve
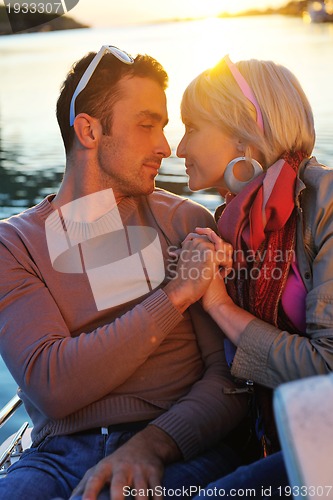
37,346
211,408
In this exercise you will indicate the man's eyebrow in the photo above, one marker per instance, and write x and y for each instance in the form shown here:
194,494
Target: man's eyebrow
152,115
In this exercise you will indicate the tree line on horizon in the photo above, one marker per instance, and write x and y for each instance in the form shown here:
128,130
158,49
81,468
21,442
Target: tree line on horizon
40,22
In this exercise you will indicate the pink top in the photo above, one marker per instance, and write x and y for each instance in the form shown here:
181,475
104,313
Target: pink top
293,298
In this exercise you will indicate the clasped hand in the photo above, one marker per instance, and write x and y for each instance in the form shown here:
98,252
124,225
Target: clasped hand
203,259
221,251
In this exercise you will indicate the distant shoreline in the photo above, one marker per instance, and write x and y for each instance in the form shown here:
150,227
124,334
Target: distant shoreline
294,8
43,23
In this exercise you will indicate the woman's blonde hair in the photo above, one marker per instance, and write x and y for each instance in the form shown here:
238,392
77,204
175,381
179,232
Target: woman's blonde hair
215,96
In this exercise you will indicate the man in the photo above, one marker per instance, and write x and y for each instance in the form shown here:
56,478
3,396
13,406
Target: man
109,357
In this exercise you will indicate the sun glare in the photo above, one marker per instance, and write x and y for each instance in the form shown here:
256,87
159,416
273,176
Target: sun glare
131,11
197,8
226,6
213,8
208,8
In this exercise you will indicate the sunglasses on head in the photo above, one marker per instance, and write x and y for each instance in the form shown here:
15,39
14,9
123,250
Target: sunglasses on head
119,54
245,88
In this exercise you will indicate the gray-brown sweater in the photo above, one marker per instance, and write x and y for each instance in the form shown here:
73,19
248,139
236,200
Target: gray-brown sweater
79,367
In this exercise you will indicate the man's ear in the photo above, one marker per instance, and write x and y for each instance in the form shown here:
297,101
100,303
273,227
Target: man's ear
87,130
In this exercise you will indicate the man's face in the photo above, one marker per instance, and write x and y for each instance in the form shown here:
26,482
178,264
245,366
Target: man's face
131,155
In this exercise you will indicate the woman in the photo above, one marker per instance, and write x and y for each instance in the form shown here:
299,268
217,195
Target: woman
250,133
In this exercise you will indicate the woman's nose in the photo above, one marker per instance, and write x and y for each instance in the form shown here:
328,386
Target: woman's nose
180,152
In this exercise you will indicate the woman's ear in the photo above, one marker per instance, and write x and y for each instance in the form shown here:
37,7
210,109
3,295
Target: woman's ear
87,130
241,147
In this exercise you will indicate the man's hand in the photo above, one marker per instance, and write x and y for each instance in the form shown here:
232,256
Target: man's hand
138,464
195,269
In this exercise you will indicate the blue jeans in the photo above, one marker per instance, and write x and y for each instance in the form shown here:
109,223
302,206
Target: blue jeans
266,478
55,467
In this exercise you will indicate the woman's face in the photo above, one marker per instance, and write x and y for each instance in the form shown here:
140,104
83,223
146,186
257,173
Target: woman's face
207,151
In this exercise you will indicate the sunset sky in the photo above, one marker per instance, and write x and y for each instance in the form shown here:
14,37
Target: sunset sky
111,12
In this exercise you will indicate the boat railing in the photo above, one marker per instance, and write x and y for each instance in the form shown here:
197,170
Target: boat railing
12,448
9,409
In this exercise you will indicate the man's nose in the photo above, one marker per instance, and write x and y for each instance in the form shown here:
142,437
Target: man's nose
163,147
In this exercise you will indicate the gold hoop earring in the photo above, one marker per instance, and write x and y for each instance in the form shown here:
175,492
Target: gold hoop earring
235,185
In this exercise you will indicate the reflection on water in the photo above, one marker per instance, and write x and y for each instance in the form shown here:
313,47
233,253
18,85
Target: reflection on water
33,66
21,188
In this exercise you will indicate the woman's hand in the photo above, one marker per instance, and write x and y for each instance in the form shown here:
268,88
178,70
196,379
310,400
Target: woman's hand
231,318
223,250
216,294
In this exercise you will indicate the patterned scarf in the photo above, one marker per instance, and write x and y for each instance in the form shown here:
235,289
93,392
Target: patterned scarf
260,223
